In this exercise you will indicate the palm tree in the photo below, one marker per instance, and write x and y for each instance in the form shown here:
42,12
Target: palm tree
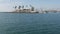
22,7
26,5
19,7
32,8
30,5
15,7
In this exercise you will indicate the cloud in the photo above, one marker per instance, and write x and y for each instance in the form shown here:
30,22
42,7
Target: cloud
1,0
5,6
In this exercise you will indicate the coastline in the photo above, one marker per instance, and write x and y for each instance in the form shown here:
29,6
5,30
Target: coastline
21,12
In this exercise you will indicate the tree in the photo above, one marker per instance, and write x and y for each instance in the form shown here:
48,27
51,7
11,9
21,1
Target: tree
15,7
19,7
22,7
32,8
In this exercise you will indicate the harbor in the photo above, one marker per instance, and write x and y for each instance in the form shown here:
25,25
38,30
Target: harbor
24,9
32,9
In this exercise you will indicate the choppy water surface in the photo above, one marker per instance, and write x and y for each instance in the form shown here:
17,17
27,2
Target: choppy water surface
22,23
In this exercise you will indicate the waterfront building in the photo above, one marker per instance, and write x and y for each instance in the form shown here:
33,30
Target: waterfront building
21,9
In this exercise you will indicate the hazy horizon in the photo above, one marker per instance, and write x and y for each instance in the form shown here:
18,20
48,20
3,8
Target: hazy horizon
7,5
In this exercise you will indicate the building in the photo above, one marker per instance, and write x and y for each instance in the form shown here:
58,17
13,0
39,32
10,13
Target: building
22,9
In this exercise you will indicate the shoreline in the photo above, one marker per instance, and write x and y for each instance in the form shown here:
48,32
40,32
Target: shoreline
31,12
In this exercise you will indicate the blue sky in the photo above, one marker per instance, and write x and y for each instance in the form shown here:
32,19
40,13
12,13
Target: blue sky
7,5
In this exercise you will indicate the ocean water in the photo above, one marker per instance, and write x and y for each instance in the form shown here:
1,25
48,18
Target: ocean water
26,23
